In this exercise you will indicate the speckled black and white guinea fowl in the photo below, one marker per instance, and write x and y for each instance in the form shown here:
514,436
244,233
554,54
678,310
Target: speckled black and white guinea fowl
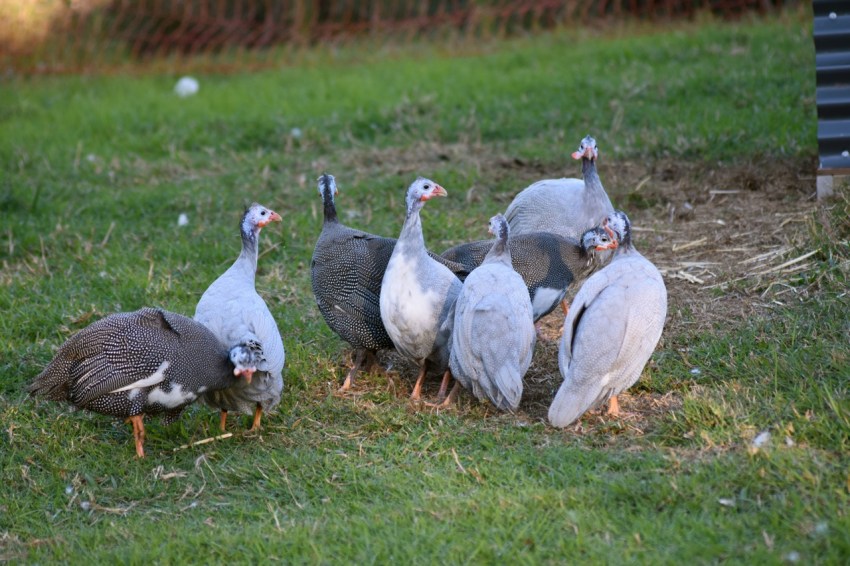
613,326
549,264
347,270
418,294
493,334
568,207
236,314
142,363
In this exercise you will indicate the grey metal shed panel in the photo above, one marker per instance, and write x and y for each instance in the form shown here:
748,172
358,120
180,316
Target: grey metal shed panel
832,60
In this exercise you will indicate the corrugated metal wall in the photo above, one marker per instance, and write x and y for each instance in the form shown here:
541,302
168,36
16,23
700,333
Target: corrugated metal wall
832,59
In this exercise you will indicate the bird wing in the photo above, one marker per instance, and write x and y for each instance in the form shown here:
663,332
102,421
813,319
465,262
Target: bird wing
123,351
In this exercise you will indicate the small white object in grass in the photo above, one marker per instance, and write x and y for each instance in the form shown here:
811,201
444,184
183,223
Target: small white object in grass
183,219
186,86
792,556
69,489
789,442
821,528
761,439
91,158
726,502
295,133
85,505
696,371
103,275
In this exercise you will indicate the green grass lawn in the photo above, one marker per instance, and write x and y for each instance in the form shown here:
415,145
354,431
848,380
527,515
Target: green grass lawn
95,171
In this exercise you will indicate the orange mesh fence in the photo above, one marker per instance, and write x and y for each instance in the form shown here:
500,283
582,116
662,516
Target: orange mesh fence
72,36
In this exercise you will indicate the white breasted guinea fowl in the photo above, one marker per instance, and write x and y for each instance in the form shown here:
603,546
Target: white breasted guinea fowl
549,264
612,328
236,314
347,270
493,334
567,207
418,294
141,363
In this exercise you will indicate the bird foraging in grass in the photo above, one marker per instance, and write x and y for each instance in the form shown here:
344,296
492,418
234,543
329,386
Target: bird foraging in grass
142,363
613,326
493,335
236,314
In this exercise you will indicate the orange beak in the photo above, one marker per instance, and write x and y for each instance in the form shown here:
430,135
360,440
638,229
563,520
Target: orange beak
588,153
273,217
614,244
247,373
438,191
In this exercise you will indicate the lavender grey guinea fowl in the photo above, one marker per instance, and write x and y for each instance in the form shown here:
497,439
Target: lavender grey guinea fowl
233,310
614,324
418,293
567,207
493,335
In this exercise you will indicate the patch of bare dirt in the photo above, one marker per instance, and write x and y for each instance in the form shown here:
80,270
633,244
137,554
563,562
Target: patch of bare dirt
730,241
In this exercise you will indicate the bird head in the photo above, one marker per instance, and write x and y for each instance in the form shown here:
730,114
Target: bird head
499,227
586,149
327,186
423,189
258,216
244,362
619,227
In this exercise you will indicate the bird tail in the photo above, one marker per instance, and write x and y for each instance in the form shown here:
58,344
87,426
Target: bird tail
505,390
570,404
52,383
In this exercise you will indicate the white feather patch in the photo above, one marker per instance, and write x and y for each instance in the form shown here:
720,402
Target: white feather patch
544,298
156,377
174,398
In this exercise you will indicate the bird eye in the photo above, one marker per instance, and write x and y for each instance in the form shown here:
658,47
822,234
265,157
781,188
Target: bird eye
427,187
263,213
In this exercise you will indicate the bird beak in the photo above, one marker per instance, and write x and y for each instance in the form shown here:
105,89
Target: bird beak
614,244
437,191
273,217
588,153
247,373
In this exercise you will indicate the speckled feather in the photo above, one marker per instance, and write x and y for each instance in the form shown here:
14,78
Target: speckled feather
549,264
567,207
614,324
493,336
97,368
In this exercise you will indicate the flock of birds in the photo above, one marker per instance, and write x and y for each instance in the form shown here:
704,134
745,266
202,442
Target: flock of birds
467,314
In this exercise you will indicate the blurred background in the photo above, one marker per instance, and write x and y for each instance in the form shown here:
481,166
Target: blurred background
102,36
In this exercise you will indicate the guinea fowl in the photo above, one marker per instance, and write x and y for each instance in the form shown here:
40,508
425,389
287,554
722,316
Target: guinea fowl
418,294
141,363
493,334
567,207
346,273
612,328
549,264
236,314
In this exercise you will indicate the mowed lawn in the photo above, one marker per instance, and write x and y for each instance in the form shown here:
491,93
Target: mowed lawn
94,172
